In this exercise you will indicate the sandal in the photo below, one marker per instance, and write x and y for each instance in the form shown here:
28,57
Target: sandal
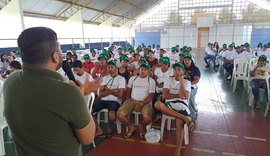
109,135
128,135
142,135
257,106
191,124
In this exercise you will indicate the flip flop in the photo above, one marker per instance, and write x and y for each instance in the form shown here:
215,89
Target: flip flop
257,106
109,135
128,135
142,135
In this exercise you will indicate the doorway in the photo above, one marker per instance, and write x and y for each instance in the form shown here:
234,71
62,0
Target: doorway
203,37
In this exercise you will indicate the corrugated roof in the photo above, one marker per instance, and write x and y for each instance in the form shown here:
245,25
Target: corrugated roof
93,11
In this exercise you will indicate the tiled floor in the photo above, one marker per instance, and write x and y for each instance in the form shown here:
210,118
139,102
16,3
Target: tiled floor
226,126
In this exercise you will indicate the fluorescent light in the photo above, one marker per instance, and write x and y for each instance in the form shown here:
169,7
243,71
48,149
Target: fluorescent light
150,13
261,3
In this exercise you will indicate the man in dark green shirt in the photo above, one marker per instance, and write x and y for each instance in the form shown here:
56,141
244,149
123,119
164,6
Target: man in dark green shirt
47,116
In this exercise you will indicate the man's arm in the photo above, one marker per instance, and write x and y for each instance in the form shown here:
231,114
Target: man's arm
86,135
128,95
167,95
118,92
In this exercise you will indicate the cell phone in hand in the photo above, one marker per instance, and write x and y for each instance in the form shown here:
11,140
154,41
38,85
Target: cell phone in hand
67,69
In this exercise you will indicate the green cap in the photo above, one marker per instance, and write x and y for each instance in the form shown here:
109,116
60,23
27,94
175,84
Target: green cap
142,59
101,56
246,45
189,48
92,50
231,46
224,45
18,52
74,55
188,56
237,47
262,57
73,48
260,44
183,53
179,64
136,55
146,65
124,57
151,51
173,49
86,56
209,43
265,45
112,62
165,60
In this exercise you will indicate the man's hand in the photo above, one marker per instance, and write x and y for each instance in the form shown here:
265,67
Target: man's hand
91,86
78,84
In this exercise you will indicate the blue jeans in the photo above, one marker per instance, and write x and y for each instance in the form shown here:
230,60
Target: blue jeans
192,105
256,84
211,57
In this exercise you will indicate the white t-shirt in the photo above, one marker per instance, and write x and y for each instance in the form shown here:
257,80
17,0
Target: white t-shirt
94,59
174,57
19,59
162,77
141,87
174,87
85,76
227,54
113,83
235,55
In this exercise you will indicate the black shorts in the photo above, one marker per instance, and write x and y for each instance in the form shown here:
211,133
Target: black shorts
102,104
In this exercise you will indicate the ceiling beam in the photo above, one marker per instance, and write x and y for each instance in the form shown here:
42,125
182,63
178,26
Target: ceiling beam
66,9
39,15
94,9
115,8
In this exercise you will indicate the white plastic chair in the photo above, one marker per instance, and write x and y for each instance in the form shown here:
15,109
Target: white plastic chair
240,72
169,118
90,97
105,112
3,123
137,121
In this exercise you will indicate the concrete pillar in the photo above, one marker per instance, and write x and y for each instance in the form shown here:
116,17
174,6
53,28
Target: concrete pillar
75,28
12,23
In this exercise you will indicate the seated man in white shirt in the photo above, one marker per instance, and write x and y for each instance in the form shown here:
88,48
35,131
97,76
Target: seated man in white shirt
80,74
176,92
161,75
210,54
140,93
111,92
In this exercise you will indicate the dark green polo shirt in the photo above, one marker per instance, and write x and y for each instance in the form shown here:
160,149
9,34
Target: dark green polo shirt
42,112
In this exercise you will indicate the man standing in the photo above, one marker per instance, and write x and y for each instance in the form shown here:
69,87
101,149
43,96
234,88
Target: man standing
49,116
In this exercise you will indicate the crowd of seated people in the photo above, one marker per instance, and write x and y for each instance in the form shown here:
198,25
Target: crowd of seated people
10,63
143,80
228,54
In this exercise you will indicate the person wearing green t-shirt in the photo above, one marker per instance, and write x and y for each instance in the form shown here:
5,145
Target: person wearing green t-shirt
48,116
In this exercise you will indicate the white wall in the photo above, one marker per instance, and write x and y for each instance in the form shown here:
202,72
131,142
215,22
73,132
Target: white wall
221,33
178,36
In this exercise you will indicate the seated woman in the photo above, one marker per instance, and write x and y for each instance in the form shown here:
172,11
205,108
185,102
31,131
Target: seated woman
176,93
261,69
193,74
125,70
